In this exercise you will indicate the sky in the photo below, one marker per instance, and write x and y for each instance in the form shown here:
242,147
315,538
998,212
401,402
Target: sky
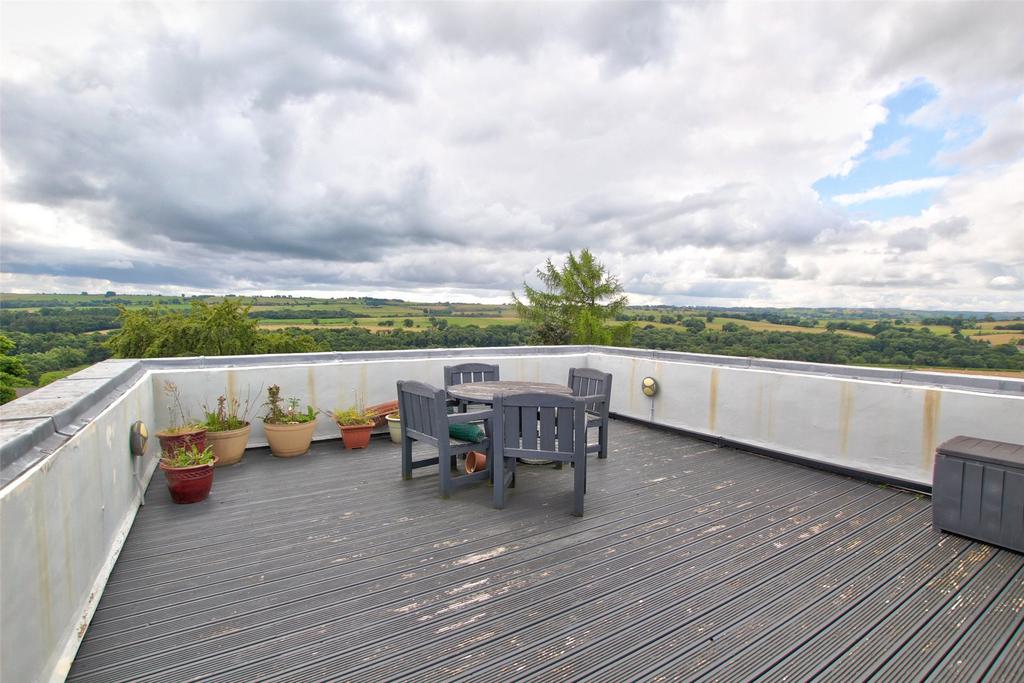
719,154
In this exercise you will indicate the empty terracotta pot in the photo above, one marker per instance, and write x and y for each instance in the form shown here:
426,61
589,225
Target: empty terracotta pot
475,461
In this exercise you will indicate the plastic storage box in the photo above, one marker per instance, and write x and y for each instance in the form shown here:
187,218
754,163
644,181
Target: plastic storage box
978,490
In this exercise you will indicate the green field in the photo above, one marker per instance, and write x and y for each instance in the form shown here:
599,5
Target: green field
55,334
371,312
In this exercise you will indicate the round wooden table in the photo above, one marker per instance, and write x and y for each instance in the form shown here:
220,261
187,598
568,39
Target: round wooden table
483,392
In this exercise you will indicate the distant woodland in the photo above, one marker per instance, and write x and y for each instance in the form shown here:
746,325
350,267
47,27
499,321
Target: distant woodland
50,336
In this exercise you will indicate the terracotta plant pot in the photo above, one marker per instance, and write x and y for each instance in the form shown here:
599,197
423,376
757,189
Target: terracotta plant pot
289,440
356,436
189,484
394,427
229,446
475,462
171,440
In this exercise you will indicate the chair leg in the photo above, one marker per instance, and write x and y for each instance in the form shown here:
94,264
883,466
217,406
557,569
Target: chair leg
498,474
579,485
602,439
446,476
406,458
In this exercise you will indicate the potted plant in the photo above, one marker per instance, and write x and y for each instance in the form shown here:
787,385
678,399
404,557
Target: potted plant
289,431
356,425
394,426
182,431
227,429
189,472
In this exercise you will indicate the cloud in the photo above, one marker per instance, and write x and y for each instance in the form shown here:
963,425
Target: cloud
1001,142
911,239
446,149
951,228
1006,282
898,148
900,188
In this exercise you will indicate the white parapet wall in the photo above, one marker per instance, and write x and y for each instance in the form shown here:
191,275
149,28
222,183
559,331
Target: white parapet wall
873,426
337,384
63,522
70,488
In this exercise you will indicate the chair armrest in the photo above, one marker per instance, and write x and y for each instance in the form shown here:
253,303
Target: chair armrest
475,416
596,398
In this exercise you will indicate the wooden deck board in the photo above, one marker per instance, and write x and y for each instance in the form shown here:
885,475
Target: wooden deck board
691,562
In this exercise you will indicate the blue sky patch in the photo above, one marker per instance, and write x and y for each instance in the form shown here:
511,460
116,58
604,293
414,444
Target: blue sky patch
900,151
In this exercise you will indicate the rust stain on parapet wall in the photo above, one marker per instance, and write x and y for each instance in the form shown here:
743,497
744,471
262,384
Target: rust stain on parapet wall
713,400
845,413
232,381
311,388
932,404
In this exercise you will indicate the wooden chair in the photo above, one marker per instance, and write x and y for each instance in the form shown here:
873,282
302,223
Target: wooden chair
467,373
425,418
543,426
596,389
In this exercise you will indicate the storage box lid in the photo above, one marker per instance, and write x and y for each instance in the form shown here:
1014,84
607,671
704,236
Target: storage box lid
986,450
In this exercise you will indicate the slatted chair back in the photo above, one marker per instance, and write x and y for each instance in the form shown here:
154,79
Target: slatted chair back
422,410
467,373
591,382
542,426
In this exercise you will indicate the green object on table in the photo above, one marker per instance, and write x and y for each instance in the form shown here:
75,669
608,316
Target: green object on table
466,432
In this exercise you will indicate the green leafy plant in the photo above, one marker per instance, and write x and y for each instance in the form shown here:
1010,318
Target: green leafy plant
189,456
353,416
278,414
179,419
230,414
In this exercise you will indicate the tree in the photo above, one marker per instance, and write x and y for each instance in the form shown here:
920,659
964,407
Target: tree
694,325
12,372
408,322
222,329
576,305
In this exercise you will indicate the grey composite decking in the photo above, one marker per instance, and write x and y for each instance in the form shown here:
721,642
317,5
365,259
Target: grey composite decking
692,562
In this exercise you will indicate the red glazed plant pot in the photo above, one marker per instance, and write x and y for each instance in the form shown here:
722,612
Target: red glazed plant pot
170,441
356,436
189,484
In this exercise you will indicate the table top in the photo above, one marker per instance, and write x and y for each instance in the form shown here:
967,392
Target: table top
483,392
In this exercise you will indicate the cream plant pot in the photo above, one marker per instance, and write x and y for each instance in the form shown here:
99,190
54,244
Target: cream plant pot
394,427
289,440
229,446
